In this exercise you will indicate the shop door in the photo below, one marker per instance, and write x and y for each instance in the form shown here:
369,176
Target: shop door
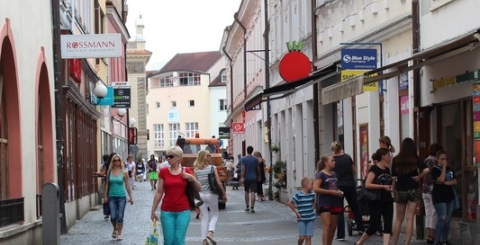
455,134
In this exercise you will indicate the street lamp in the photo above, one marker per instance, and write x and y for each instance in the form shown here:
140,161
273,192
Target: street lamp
121,112
100,91
132,121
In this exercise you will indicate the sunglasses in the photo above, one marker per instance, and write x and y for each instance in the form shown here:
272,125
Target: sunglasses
170,156
209,156
116,160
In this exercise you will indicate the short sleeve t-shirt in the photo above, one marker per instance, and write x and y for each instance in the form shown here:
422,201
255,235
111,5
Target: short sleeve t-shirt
343,169
304,202
250,163
405,181
382,177
329,182
175,198
441,192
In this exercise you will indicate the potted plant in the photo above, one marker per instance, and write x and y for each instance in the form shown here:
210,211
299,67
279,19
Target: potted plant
275,148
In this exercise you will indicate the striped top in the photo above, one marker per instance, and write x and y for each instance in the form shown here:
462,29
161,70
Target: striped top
202,177
304,203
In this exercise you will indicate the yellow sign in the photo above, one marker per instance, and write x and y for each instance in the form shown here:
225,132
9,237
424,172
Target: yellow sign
347,74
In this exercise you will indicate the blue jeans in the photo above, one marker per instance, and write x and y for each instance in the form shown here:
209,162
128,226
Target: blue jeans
305,227
444,213
350,193
117,208
174,226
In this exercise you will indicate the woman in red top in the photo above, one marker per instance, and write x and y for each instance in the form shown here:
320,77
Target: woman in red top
175,208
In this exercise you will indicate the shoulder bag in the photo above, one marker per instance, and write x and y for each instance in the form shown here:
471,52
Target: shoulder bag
212,181
192,194
368,195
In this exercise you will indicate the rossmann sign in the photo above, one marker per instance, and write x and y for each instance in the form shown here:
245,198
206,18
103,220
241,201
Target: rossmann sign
91,46
359,59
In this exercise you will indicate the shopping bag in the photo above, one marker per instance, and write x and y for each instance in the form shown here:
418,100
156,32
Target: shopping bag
153,236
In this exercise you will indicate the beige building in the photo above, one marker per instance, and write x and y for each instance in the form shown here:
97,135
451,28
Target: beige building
137,59
179,99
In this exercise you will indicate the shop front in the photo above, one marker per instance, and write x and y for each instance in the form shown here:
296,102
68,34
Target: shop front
447,95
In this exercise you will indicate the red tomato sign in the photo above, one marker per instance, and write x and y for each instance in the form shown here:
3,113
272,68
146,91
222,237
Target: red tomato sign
238,128
294,65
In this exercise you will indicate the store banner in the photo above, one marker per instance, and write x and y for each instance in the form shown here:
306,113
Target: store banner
238,128
121,95
347,74
91,46
359,59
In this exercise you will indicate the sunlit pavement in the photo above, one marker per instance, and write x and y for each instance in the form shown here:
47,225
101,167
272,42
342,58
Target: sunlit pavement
273,223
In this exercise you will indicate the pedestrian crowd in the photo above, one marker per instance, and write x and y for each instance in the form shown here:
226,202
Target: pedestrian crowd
393,183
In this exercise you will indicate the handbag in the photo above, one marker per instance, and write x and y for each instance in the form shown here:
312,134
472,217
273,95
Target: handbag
212,180
367,195
192,194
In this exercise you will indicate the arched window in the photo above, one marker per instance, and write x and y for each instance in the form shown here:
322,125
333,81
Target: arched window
3,144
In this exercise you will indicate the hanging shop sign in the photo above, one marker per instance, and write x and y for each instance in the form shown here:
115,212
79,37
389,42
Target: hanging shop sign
91,46
359,59
294,65
238,128
223,132
121,95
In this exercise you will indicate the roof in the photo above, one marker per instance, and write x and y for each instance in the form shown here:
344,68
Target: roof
217,82
201,61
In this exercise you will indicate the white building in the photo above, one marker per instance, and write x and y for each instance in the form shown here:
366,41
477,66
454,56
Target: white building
180,101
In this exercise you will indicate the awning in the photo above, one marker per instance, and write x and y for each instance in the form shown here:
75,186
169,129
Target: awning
354,86
285,89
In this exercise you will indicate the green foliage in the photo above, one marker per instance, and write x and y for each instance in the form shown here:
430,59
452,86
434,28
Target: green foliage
275,148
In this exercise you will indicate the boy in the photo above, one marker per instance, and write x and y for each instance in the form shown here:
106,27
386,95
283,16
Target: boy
303,203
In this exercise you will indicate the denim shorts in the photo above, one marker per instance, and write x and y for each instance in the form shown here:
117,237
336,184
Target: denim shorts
412,195
305,227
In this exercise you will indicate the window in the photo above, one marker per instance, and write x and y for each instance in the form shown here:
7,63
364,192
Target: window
174,103
224,76
173,129
166,81
223,104
189,79
157,104
191,102
158,135
191,128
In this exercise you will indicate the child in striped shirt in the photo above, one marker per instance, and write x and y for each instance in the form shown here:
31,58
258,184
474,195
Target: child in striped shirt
303,203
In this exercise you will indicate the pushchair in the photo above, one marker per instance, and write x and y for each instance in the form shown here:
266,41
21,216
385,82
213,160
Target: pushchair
139,176
364,209
234,182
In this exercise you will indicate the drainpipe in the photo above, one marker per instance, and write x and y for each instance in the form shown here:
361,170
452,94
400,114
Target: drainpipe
58,83
235,16
231,79
269,108
316,86
420,227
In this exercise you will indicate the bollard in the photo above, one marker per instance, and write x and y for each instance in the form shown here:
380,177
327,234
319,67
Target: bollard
50,214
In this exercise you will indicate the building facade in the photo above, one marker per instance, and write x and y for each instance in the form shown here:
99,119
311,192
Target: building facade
137,59
27,112
179,99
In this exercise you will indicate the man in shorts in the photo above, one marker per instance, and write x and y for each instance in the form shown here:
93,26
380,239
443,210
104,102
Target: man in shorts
249,176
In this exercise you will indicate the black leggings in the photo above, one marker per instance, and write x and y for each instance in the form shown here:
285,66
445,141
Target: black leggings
377,211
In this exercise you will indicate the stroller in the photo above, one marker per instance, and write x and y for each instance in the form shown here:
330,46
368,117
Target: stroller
234,182
139,176
364,209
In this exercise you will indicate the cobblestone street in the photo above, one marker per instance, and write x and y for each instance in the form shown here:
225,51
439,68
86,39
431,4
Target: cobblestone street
273,223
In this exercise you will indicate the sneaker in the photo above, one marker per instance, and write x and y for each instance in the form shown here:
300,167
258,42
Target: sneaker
106,217
340,238
210,238
252,210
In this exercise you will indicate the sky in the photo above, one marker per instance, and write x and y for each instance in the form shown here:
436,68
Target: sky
180,26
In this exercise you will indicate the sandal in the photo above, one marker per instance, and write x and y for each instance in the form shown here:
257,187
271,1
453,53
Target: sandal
119,238
114,234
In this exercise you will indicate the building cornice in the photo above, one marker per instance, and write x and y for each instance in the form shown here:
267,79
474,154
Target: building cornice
120,27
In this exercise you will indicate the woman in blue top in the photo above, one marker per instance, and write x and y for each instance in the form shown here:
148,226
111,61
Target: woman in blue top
117,183
330,198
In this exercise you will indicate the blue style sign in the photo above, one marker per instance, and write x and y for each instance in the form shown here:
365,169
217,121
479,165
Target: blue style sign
359,59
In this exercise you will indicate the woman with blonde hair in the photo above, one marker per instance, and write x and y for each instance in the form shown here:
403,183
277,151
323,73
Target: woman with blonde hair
171,190
116,184
345,170
210,199
263,178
